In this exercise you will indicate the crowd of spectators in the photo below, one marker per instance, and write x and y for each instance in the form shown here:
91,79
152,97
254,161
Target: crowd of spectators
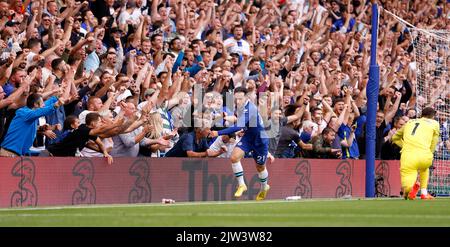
106,78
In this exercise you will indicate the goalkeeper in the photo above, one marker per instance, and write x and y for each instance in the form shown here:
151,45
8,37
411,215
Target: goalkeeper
418,139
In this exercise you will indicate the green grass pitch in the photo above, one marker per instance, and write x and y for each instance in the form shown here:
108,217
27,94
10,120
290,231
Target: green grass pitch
318,212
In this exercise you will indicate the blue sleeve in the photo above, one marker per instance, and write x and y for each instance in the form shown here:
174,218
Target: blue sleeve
341,131
44,111
199,58
211,141
228,131
193,70
253,77
241,123
337,24
188,144
178,62
8,89
387,129
359,125
351,24
204,146
333,29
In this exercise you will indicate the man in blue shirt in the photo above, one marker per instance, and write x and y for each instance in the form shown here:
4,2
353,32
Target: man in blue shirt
17,75
194,144
255,140
22,131
349,144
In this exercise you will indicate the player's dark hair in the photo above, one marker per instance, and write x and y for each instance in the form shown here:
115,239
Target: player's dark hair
428,112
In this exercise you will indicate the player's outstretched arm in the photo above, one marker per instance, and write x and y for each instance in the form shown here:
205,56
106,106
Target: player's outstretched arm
397,138
229,130
241,122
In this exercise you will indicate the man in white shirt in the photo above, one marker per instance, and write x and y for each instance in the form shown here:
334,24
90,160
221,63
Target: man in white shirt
94,104
130,14
237,44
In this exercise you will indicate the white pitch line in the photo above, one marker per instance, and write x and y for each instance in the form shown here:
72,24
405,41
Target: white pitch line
197,203
181,204
136,205
281,215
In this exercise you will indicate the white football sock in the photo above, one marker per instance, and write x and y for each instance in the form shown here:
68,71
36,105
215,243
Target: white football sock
238,172
263,177
423,192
